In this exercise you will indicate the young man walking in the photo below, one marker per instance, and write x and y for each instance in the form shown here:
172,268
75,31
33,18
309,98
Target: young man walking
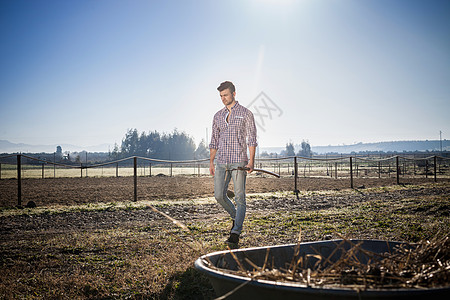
233,130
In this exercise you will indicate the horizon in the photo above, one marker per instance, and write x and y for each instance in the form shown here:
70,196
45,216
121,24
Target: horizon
263,149
84,72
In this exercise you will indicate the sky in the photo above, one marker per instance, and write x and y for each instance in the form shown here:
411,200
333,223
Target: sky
330,72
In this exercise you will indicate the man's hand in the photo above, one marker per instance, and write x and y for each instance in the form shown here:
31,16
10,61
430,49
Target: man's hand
212,154
211,168
251,164
250,167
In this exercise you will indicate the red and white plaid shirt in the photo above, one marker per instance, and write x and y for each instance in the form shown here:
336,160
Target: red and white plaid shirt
232,138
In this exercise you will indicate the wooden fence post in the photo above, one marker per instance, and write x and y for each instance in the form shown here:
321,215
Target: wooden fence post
43,170
117,169
351,172
404,167
135,178
398,169
295,176
150,165
435,168
19,180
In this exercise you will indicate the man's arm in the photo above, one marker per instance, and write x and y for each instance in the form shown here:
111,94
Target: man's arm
213,145
251,162
212,155
251,142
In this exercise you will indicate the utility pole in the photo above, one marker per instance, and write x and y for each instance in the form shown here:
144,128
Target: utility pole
440,139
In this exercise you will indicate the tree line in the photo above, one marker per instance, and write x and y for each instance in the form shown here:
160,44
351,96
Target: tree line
165,146
178,146
305,150
168,146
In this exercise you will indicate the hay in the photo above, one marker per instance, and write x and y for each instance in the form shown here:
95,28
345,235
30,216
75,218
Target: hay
422,265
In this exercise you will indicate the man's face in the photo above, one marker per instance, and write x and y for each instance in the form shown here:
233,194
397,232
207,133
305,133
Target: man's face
227,97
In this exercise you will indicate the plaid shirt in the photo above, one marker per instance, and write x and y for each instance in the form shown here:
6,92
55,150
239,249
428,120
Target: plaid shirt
231,138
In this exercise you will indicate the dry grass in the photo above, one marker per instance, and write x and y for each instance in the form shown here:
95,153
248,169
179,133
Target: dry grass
407,266
112,263
153,259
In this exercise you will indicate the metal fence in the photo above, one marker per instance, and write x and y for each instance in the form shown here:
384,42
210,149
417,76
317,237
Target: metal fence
26,166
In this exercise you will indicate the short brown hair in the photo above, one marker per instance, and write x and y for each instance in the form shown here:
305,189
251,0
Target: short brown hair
227,85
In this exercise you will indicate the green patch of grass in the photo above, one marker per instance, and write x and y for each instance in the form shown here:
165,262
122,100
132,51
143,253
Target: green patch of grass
383,219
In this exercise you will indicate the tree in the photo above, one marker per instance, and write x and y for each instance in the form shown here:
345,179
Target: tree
115,154
58,153
180,146
265,154
130,142
154,144
306,149
142,145
201,151
290,149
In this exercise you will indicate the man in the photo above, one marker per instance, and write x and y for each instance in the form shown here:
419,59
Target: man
233,130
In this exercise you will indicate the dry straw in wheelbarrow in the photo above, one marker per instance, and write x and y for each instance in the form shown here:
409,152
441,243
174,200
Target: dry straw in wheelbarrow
421,265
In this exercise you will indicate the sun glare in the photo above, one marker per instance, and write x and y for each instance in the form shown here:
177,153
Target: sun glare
273,3
277,2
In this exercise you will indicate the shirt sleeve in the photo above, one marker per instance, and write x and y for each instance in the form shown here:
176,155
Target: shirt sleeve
215,134
251,130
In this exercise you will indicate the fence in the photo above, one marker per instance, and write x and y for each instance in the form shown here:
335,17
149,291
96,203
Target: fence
294,166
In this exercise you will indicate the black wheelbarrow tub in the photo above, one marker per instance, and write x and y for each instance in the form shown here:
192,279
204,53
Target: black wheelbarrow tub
223,282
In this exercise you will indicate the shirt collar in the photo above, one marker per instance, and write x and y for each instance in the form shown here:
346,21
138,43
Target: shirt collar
225,109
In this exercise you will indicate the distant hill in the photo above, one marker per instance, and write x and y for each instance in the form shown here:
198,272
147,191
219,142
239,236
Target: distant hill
8,147
394,146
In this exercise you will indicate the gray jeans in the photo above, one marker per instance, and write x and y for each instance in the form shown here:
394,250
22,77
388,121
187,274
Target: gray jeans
223,174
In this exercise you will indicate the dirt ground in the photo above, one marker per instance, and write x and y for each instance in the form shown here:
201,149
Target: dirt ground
75,220
126,252
74,191
173,193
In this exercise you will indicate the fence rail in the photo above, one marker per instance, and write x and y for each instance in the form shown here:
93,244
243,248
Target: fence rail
334,167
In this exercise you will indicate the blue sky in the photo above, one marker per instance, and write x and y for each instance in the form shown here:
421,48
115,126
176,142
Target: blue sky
340,72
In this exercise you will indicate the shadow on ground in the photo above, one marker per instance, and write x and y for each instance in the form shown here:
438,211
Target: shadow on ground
190,284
